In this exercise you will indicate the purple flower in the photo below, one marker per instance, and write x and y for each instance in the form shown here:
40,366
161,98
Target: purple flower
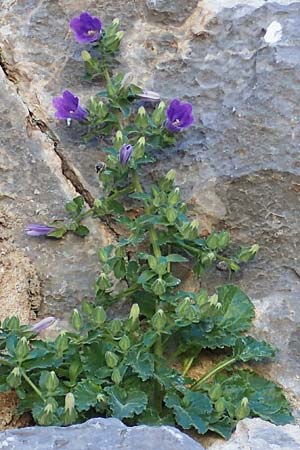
179,116
149,96
86,28
42,324
67,107
125,154
38,229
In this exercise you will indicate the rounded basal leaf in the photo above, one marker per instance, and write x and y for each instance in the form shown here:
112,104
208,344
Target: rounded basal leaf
126,403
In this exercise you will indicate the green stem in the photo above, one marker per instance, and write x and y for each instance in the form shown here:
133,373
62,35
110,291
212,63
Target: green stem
125,293
189,248
227,362
187,365
126,190
158,349
36,390
152,232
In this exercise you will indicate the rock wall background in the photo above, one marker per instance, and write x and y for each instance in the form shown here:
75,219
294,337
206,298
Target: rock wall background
239,165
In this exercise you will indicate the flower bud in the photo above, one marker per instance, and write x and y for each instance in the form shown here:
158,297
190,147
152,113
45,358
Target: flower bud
141,118
61,342
103,282
125,154
118,141
101,398
85,56
124,343
159,286
116,22
115,326
12,323
174,197
116,376
213,300
171,214
99,315
87,308
76,320
171,175
185,310
14,378
215,392
159,320
22,348
243,409
220,405
134,312
139,148
51,382
42,324
49,408
158,115
111,359
119,35
69,402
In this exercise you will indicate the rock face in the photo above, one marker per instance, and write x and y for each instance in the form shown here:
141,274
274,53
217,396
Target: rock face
97,434
255,434
238,166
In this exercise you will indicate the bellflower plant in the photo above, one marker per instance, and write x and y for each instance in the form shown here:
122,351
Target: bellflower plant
38,229
67,107
179,116
86,28
138,366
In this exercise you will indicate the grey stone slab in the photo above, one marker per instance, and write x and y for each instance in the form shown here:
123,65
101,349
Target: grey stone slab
97,434
256,434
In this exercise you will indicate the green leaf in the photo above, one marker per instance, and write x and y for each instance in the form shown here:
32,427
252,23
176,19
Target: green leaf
141,363
188,412
58,233
85,394
81,230
176,258
247,348
125,404
237,311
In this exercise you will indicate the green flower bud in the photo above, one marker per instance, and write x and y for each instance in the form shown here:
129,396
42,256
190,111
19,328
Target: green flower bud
111,359
248,253
208,258
185,310
119,35
220,405
115,326
234,266
202,298
158,286
158,115
101,398
116,376
87,308
118,141
171,175
74,370
141,118
116,22
159,320
243,409
124,343
215,392
49,409
99,315
22,348
85,56
103,282
61,342
69,402
51,382
171,214
76,320
174,197
134,312
14,378
139,148
213,300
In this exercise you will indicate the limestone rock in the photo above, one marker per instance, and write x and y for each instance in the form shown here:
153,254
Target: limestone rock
256,434
97,434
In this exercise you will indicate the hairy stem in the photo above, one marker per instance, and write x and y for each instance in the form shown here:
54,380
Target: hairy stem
152,232
31,384
227,362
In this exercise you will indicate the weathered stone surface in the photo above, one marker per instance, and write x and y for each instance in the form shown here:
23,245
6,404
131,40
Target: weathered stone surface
97,434
33,189
256,434
239,165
